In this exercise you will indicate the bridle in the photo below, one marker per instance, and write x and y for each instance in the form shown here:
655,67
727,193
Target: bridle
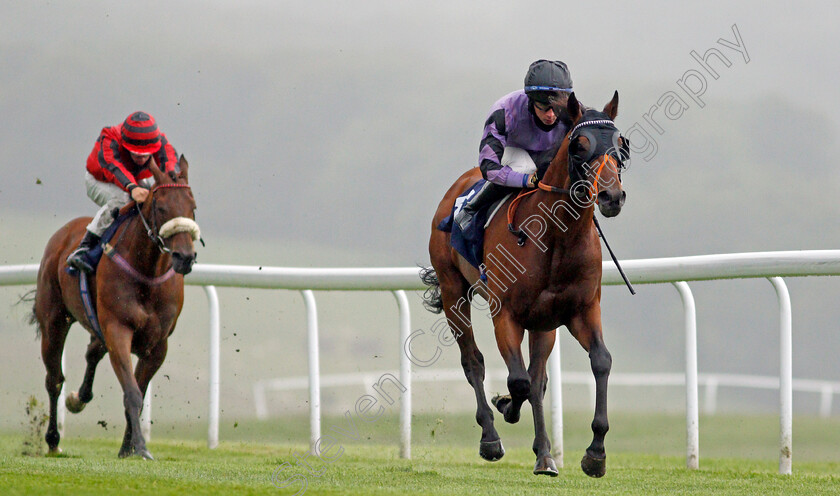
612,145
616,155
170,227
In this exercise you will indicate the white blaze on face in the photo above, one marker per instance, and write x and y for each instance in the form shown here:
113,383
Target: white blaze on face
179,225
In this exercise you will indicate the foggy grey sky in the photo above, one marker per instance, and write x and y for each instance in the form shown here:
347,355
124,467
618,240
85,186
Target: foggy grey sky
296,114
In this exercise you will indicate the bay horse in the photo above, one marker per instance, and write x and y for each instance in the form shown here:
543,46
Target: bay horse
547,276
138,294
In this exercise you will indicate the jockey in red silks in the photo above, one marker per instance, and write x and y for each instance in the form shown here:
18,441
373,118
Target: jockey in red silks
521,135
118,172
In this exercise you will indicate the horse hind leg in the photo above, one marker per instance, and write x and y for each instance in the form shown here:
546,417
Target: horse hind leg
77,400
53,336
457,311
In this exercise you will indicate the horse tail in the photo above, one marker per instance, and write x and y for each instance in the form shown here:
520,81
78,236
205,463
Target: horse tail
431,298
32,319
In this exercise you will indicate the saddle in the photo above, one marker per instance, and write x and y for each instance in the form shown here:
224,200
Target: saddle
469,242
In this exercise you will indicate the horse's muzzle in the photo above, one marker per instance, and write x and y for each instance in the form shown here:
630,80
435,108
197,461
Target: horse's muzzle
182,263
611,201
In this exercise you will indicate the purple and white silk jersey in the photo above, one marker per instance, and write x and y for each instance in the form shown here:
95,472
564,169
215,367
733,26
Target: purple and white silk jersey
511,123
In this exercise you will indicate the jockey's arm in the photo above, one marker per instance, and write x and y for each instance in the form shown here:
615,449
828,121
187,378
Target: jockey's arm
491,150
138,193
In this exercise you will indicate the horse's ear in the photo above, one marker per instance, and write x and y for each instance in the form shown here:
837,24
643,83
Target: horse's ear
611,109
159,176
573,107
184,166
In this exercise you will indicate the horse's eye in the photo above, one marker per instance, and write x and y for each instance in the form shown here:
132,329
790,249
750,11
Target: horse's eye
579,147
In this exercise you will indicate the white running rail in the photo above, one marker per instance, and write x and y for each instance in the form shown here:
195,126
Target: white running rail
678,270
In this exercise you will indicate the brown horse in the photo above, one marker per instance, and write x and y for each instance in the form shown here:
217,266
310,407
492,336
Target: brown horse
547,276
137,297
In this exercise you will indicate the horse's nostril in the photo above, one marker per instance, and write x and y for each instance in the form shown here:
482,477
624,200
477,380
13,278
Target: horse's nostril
611,197
183,258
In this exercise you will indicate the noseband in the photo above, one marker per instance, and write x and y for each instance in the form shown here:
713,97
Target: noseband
170,227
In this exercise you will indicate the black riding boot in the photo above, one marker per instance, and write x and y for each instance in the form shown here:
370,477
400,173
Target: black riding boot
79,259
488,193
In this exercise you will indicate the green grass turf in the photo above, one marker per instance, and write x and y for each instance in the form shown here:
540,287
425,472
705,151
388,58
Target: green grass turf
739,455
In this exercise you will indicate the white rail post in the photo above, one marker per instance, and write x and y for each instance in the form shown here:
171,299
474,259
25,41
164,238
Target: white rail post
146,414
785,377
213,380
260,405
692,417
555,383
826,395
405,375
711,395
60,413
314,378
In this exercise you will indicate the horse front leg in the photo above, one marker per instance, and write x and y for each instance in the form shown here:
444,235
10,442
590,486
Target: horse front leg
76,401
119,339
509,335
540,345
587,330
148,366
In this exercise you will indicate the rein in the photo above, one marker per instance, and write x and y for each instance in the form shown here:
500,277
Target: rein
511,213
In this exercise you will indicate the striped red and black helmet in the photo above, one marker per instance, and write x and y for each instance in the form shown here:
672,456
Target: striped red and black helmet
140,133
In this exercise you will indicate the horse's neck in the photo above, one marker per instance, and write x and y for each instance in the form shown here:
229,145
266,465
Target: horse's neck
140,251
568,221
557,173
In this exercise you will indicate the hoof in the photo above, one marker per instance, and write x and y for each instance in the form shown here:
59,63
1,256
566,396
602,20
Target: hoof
593,467
491,450
144,454
54,451
545,466
73,403
503,403
131,452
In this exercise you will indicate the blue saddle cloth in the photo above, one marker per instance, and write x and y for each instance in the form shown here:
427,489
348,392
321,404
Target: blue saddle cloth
469,243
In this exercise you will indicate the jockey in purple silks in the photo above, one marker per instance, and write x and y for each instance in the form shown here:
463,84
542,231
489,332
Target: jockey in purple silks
521,135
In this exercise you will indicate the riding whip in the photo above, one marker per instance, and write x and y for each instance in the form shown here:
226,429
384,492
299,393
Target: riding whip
615,260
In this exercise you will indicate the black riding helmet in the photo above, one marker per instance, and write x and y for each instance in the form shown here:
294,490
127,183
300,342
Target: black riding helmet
547,78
